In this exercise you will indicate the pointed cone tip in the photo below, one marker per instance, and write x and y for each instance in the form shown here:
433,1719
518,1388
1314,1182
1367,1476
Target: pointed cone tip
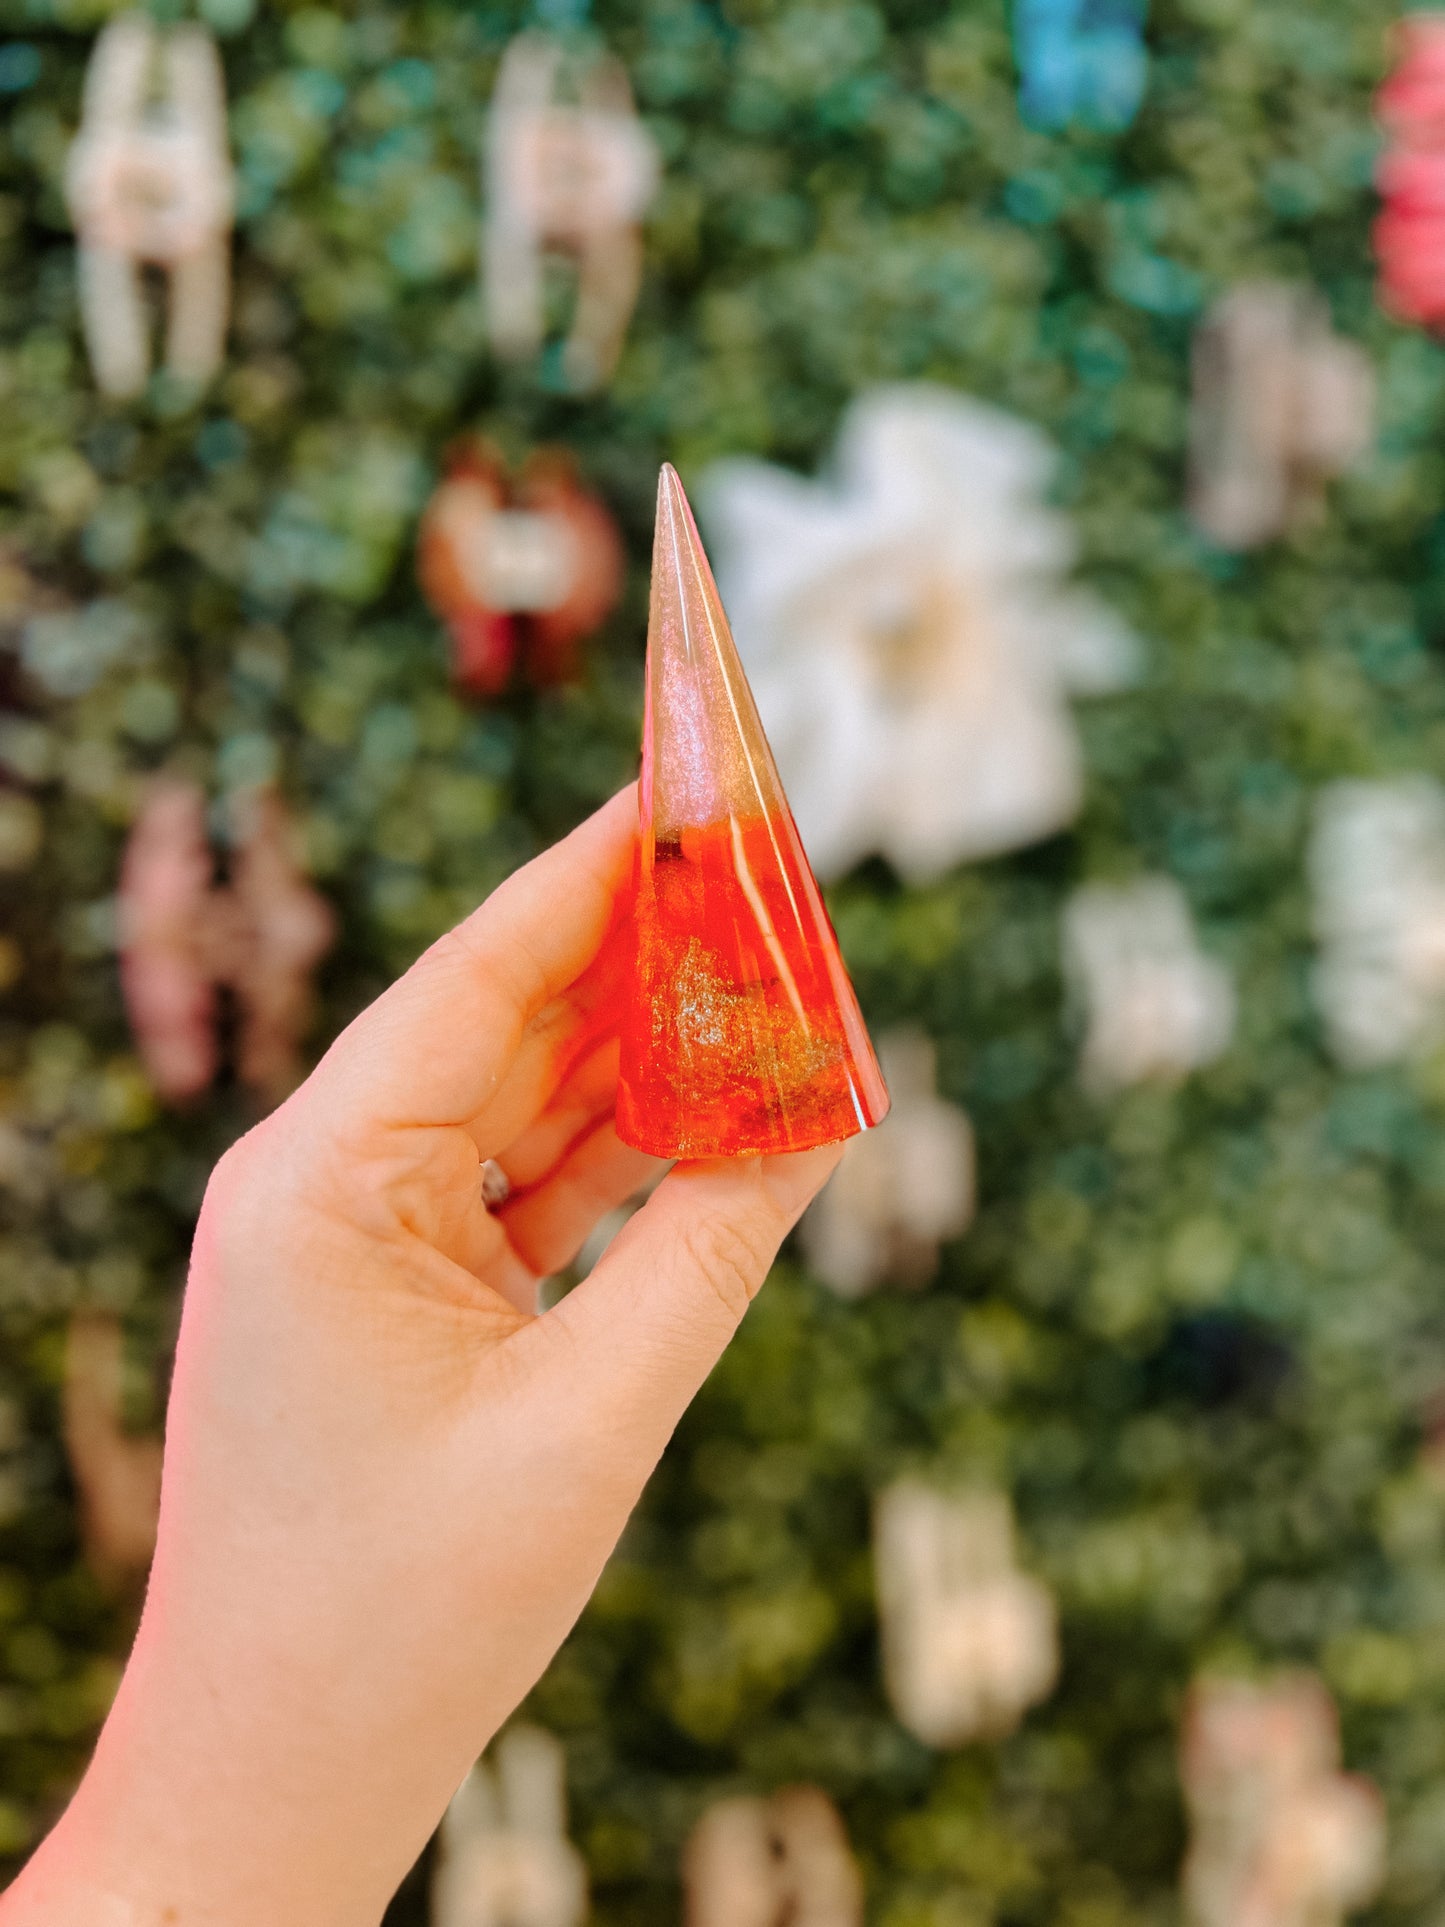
676,527
671,495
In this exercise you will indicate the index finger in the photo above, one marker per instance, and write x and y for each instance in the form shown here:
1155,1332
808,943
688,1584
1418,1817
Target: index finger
435,1047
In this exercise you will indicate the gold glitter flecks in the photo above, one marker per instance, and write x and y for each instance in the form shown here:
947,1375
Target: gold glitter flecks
722,1041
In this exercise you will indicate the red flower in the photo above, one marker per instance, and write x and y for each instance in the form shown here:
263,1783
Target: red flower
1410,233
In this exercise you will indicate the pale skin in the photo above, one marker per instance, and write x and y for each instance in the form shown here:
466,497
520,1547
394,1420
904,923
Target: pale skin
390,1486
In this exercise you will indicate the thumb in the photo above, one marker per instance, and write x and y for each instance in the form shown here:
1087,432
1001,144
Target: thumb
654,1316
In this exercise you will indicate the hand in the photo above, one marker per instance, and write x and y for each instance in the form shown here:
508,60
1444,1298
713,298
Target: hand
389,1486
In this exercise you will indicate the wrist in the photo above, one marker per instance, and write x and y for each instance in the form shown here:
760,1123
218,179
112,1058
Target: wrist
52,1890
180,1822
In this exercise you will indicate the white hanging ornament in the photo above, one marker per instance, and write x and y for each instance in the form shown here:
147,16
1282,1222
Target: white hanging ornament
1377,869
149,182
564,178
782,1862
969,1641
910,633
1281,404
1279,1836
505,1858
1155,1005
902,1190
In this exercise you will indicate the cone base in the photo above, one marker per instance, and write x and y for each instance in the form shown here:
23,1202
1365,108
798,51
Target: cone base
738,1042
730,1142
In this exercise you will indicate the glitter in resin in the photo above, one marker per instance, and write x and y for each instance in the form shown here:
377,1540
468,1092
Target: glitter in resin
743,1034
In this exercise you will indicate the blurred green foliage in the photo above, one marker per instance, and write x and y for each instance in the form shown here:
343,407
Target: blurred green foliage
1196,1332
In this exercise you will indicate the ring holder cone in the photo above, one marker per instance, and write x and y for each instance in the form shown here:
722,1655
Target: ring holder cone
743,1033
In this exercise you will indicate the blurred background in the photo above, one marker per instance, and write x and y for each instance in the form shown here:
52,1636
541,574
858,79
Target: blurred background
1063,1540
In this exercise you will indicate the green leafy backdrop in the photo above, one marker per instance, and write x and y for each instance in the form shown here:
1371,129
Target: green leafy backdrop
1197,1333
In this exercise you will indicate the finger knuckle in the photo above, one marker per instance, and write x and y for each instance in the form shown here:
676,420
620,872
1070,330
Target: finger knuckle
731,1261
237,1170
252,1178
500,955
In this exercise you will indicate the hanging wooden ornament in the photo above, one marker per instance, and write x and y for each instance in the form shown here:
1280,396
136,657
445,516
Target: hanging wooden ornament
782,1862
1279,1836
1280,404
520,573
1410,231
505,1858
969,1641
1080,60
117,1474
1377,877
149,182
569,178
902,1189
184,941
1154,1004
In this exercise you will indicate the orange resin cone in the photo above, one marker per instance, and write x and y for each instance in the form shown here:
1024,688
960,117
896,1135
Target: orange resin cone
743,1032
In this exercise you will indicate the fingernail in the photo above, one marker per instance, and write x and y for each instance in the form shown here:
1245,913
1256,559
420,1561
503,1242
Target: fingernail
794,1178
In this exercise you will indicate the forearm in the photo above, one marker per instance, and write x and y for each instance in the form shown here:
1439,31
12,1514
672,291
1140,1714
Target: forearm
183,1818
279,1754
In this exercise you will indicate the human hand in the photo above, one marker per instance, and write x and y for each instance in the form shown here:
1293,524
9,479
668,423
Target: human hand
389,1486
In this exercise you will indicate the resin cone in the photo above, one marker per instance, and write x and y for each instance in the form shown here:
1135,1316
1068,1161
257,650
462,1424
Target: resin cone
743,1033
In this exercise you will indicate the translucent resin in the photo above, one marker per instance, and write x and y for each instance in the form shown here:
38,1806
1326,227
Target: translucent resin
744,1034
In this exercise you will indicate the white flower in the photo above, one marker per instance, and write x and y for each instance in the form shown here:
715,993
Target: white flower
564,179
901,1189
1280,1837
1155,1004
1377,866
909,634
505,1859
969,1641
